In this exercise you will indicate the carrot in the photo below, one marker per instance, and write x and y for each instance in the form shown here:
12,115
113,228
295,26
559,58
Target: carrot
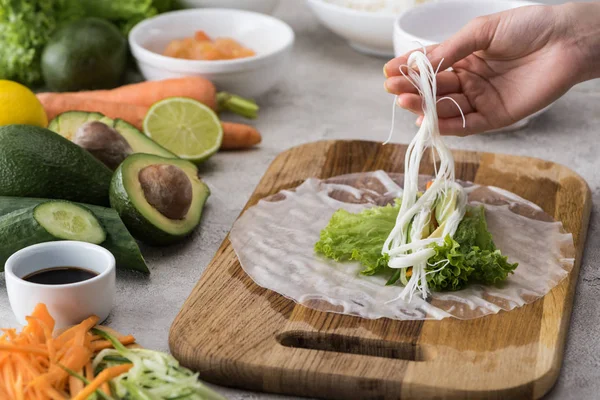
429,185
58,103
102,377
35,365
149,92
75,385
105,344
239,136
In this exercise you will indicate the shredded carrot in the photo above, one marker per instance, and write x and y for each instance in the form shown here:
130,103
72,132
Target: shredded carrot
102,377
105,344
429,184
35,365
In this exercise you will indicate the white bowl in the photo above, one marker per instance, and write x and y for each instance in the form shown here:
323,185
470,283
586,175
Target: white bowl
69,304
261,6
435,22
432,23
366,31
270,38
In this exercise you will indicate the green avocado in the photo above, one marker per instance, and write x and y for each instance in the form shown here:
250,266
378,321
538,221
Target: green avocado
87,54
139,142
159,199
36,162
67,124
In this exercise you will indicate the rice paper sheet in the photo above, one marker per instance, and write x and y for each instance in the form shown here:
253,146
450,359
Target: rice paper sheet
274,241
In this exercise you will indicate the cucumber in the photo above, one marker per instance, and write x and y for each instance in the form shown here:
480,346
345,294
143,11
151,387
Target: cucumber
118,239
47,222
69,221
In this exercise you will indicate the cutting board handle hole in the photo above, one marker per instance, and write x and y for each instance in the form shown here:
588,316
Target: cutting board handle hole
356,345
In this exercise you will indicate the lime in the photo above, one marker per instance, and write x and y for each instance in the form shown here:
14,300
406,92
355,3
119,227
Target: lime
184,126
18,105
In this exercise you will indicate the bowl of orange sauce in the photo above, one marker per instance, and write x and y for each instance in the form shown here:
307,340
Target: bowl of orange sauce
240,51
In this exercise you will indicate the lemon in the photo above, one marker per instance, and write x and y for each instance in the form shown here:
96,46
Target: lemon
18,105
184,126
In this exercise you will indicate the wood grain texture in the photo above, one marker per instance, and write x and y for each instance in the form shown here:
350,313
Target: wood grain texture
238,334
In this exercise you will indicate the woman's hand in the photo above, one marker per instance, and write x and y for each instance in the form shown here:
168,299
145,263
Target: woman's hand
507,66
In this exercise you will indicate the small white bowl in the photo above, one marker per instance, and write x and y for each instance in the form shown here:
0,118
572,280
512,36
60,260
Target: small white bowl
261,6
432,23
68,304
368,32
270,38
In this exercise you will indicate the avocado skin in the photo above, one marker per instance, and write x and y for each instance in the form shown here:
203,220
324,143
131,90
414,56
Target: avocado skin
87,54
139,226
36,162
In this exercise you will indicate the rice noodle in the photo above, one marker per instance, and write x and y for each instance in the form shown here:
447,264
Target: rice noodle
405,245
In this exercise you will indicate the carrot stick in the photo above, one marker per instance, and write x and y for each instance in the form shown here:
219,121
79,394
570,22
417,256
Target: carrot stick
105,387
105,344
102,377
149,92
58,103
239,136
75,385
23,349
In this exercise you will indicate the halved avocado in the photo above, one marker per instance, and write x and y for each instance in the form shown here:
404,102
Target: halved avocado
139,142
67,124
159,199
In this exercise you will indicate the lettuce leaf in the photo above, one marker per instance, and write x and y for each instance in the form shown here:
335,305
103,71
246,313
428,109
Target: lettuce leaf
470,256
359,237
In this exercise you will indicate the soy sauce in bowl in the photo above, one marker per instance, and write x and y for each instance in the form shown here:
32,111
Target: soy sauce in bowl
60,275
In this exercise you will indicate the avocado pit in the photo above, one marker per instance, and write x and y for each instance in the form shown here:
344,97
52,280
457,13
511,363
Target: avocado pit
103,142
168,189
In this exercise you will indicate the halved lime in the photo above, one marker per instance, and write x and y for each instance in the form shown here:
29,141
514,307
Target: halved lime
184,126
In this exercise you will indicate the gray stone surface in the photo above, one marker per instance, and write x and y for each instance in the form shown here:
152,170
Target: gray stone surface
332,92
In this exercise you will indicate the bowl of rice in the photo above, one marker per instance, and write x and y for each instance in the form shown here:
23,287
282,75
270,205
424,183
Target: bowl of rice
367,25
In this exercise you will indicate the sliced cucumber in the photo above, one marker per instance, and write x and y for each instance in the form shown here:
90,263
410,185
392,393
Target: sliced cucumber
47,222
69,221
118,239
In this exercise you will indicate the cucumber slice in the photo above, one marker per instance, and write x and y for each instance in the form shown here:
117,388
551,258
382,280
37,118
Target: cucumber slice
69,221
47,222
118,239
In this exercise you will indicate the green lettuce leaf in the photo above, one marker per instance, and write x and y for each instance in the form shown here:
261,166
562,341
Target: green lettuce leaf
359,237
470,256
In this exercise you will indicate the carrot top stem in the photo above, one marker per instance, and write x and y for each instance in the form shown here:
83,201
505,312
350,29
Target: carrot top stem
236,104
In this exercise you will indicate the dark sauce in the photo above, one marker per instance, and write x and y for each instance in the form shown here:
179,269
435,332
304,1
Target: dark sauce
60,275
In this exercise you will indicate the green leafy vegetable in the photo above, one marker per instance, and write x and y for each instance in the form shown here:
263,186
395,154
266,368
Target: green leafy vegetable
359,237
470,256
27,25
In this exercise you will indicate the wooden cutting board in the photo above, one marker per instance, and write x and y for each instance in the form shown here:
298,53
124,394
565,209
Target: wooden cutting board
238,334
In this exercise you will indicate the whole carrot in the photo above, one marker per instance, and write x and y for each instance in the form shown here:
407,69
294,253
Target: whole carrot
149,92
58,103
239,136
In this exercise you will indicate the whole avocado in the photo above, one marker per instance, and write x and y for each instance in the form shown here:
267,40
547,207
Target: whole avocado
36,162
87,54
